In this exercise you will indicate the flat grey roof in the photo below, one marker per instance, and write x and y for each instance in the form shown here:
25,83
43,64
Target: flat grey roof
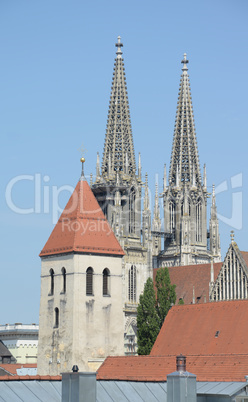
107,391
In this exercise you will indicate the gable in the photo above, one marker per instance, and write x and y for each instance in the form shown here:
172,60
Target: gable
232,281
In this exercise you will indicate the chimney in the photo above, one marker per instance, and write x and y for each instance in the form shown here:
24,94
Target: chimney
181,385
78,387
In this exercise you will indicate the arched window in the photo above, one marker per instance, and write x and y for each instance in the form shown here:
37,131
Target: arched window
89,281
63,271
105,282
51,281
171,216
56,311
199,221
132,284
132,211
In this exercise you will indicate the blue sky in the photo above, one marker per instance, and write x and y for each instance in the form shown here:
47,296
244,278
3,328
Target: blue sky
56,67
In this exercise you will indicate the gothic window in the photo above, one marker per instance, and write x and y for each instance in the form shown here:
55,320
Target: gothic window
171,216
105,282
199,221
56,323
132,284
51,281
89,282
63,271
132,211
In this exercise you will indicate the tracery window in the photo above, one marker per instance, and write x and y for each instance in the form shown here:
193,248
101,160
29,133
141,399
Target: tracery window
105,282
132,284
171,216
89,281
132,199
199,221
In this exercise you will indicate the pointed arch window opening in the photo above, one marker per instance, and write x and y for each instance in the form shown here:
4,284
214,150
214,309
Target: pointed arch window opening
132,217
199,221
132,284
89,281
172,219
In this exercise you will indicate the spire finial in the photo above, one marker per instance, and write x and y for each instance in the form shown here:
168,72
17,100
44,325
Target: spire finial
82,178
185,62
119,45
232,236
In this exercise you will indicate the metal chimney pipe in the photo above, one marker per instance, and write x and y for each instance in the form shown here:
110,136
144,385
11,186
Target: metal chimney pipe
181,363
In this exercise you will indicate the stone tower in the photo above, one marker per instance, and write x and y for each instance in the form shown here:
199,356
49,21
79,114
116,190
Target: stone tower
118,189
185,197
81,308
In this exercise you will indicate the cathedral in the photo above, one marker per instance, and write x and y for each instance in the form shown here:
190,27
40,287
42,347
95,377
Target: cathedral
106,243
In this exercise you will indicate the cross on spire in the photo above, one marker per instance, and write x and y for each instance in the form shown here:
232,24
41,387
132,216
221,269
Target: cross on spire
119,45
185,62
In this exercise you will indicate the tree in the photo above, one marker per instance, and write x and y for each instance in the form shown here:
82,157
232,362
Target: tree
166,293
152,310
147,319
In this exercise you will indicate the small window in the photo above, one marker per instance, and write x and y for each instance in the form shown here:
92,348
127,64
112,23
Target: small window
56,310
89,281
51,281
63,271
105,282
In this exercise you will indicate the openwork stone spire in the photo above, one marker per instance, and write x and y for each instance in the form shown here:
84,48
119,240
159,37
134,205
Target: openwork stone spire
118,147
184,166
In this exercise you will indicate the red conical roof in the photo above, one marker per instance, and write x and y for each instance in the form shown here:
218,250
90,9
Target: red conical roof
82,227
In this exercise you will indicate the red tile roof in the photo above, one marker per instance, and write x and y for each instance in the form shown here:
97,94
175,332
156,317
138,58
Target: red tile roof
245,256
156,368
200,329
213,337
31,378
11,368
189,276
82,227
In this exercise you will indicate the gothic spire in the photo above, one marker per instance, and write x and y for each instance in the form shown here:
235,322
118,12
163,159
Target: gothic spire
119,138
184,158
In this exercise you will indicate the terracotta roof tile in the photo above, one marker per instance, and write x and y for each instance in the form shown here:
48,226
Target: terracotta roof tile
210,328
156,368
185,277
30,378
245,257
82,227
11,368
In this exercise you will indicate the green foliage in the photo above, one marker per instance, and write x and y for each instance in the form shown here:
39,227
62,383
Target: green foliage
166,293
147,319
181,301
152,311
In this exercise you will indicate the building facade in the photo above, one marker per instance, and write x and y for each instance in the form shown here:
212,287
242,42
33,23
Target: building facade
81,308
21,340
